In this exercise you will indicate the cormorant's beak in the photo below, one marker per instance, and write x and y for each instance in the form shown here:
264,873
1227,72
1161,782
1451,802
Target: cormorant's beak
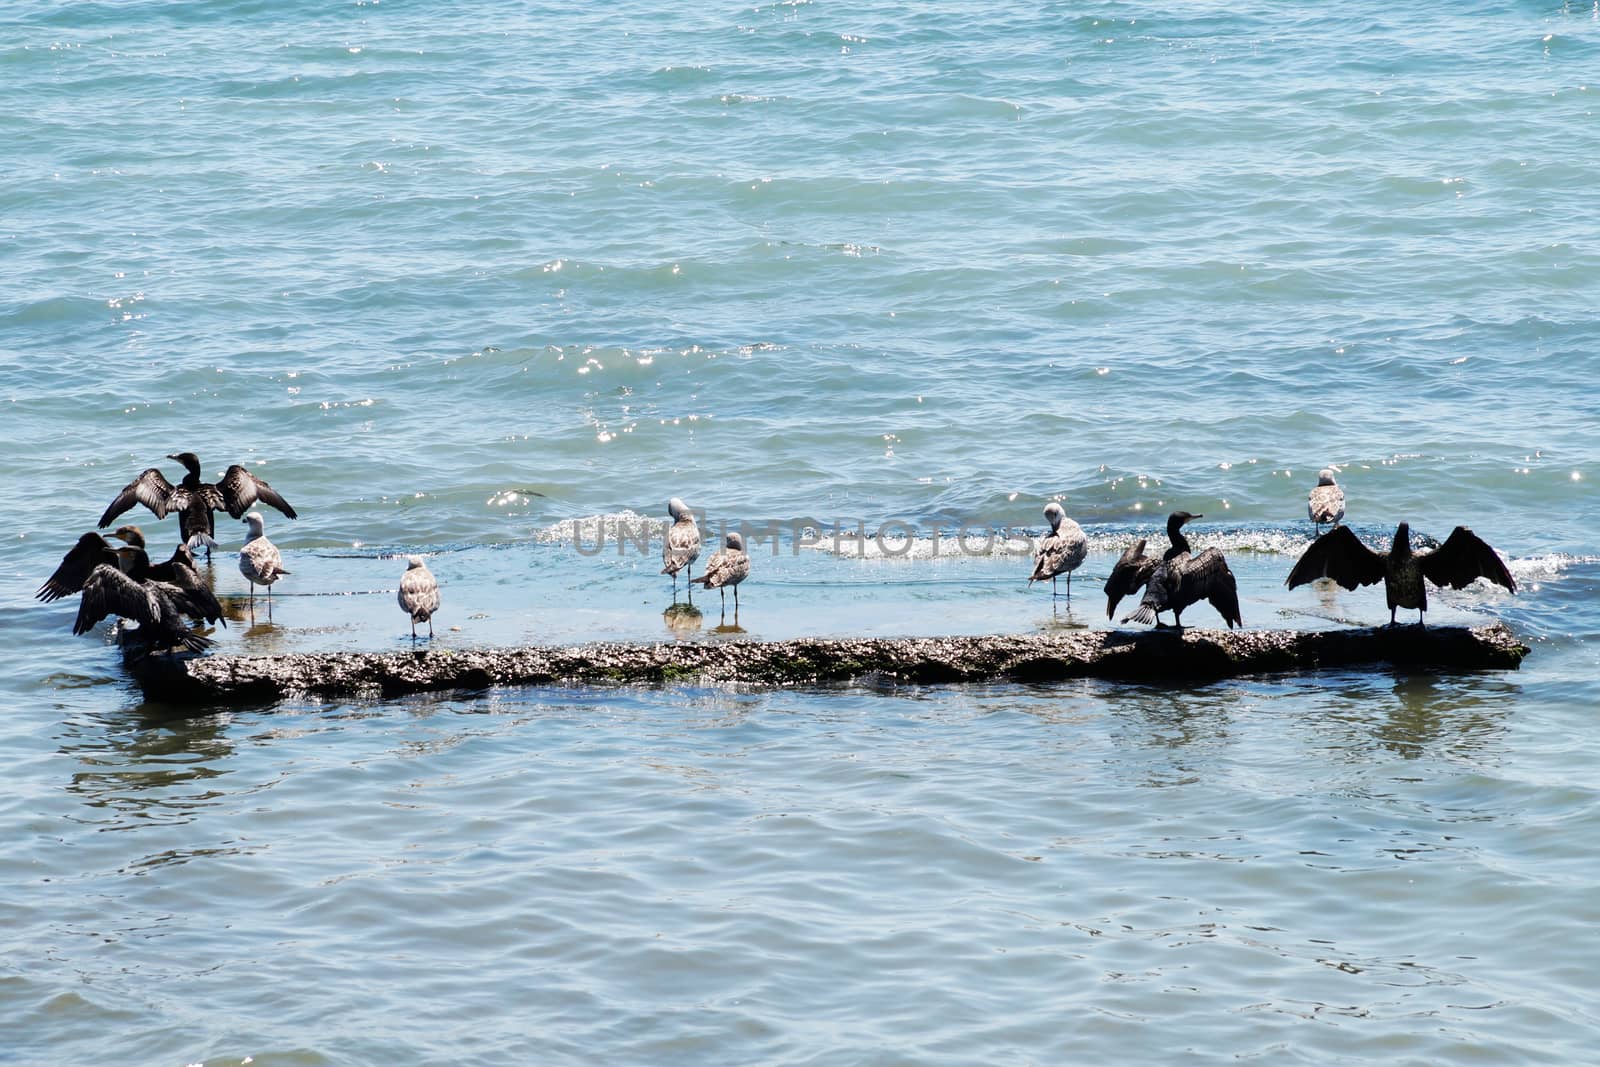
1194,517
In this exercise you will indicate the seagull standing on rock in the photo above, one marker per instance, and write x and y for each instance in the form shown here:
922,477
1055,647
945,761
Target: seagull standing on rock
726,569
682,544
1325,504
259,560
1062,551
419,594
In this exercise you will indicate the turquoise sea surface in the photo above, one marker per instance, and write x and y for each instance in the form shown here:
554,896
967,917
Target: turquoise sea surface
478,282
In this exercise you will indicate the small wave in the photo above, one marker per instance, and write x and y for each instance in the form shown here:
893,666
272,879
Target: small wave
1551,565
593,530
54,309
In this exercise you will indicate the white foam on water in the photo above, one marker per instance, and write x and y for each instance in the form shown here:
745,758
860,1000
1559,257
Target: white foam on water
589,530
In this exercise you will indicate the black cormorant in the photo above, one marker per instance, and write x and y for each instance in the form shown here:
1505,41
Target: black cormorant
1462,559
180,571
158,607
1181,580
194,500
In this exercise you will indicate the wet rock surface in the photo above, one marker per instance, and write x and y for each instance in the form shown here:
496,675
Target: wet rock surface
1195,654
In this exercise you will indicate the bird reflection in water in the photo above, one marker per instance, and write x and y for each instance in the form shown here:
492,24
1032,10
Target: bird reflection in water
726,627
1430,712
266,637
683,619
161,772
261,634
1061,618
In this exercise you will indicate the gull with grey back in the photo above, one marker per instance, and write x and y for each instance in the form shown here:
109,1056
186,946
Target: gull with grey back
1325,502
726,569
681,546
419,594
259,560
1061,551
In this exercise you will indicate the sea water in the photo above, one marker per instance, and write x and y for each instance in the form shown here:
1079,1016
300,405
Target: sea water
476,281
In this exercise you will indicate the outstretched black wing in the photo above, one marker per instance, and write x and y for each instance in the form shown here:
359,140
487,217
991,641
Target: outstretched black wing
1340,555
1130,574
110,592
1464,558
90,552
1160,588
194,599
240,490
177,569
187,588
1207,577
150,489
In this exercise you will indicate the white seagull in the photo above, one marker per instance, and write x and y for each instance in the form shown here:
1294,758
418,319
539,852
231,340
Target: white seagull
1062,551
259,560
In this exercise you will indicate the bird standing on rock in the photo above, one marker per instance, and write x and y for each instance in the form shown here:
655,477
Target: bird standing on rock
259,559
129,592
681,547
726,569
194,500
1178,581
1461,560
419,594
1062,551
180,571
1325,502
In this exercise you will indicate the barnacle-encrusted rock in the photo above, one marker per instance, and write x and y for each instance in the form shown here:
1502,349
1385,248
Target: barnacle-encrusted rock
1123,655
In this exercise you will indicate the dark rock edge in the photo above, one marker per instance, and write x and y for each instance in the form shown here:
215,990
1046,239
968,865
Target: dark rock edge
1194,655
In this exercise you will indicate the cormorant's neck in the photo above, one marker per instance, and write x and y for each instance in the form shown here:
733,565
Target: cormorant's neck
138,564
1175,535
192,465
1402,544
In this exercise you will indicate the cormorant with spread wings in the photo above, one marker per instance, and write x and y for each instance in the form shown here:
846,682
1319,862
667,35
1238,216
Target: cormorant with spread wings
1177,581
1461,560
194,500
1131,574
90,552
158,607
